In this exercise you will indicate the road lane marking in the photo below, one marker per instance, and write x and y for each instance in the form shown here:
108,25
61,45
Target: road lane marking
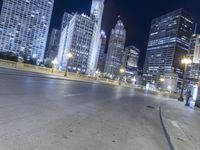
73,95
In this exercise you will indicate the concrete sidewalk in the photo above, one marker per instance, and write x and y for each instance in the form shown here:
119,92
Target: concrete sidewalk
182,125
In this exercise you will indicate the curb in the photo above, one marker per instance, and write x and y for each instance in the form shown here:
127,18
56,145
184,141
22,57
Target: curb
165,129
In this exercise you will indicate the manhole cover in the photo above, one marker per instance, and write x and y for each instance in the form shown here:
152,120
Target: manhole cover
151,107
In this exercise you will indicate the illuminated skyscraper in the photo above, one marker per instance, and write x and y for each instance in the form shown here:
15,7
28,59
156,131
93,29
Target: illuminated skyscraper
168,43
24,26
96,14
81,36
115,49
76,39
102,54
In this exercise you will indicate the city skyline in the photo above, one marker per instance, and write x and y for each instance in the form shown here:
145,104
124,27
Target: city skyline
133,14
138,26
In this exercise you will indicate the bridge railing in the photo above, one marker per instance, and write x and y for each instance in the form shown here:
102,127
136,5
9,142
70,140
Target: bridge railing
39,69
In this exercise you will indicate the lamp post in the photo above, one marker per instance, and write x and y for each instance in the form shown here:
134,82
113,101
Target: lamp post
186,62
162,81
69,56
122,70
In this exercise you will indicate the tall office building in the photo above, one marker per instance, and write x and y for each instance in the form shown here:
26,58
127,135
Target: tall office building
24,26
115,49
168,43
131,58
63,39
53,43
81,36
102,54
193,71
194,50
96,14
96,11
76,39
65,20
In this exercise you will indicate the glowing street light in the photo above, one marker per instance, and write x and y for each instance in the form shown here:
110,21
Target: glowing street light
69,57
134,79
186,62
34,56
122,70
162,80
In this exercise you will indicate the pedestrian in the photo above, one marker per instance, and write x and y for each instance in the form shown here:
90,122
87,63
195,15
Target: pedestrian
188,96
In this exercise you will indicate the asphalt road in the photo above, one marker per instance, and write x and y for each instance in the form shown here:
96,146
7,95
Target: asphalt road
37,113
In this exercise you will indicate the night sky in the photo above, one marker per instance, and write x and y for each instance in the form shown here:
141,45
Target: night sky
136,14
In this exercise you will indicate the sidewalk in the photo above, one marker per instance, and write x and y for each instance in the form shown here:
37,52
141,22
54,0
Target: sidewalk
182,125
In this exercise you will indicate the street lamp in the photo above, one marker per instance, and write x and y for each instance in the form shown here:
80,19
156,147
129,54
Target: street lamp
122,70
162,80
69,56
186,62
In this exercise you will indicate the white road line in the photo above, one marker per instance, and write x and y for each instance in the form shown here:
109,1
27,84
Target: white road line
72,95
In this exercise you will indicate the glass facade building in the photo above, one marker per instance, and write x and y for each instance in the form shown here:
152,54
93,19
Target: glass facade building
24,26
168,43
115,49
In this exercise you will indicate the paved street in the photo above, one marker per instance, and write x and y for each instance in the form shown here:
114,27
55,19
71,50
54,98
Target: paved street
37,113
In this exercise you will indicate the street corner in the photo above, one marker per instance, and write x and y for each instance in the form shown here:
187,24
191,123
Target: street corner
180,124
